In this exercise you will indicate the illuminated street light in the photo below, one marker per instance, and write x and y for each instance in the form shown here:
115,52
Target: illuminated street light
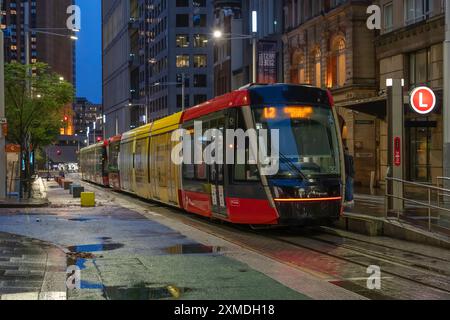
217,34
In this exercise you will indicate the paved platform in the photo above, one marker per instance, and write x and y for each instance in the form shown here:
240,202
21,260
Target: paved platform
30,269
24,203
127,248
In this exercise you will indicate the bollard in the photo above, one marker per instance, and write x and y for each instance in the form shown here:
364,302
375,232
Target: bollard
73,185
77,191
88,199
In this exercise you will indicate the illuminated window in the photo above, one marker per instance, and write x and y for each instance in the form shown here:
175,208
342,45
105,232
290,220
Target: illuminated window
200,61
200,41
337,66
182,40
182,61
317,68
299,69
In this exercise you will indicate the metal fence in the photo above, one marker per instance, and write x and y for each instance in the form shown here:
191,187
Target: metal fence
430,199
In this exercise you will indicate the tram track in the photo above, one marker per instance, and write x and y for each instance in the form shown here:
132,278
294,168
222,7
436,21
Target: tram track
436,276
410,266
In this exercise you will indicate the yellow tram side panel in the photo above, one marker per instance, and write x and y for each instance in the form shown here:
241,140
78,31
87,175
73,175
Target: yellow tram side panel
88,162
127,152
164,174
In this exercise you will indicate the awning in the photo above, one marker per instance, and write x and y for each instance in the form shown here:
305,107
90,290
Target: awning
375,106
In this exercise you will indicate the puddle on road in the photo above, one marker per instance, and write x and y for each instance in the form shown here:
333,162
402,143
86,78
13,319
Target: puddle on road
191,249
96,247
144,292
104,238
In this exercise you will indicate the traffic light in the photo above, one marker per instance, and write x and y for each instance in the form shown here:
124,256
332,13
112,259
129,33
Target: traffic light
59,152
66,118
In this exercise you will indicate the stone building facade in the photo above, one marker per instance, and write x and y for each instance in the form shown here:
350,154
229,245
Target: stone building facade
410,47
327,44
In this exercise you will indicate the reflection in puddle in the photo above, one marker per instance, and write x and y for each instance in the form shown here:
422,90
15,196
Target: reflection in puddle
90,285
192,249
96,247
144,292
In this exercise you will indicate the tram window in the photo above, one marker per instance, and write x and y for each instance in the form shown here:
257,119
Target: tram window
189,169
201,169
244,172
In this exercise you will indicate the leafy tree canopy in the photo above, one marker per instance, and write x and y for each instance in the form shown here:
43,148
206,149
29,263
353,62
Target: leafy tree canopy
35,104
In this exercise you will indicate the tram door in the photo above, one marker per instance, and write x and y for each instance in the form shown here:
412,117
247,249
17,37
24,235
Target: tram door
217,175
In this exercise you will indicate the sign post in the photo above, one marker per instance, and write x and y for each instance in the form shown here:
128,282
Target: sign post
396,128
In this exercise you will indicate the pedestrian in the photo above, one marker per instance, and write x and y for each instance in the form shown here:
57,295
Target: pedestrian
62,174
349,178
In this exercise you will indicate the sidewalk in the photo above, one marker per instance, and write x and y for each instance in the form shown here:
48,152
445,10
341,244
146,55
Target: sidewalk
31,269
39,197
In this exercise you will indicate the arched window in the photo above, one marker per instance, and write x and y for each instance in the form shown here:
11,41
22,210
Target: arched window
298,69
337,72
318,68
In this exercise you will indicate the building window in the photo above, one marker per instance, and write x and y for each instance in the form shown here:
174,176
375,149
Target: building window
199,20
200,41
318,68
182,21
388,17
200,61
199,99
182,3
182,61
180,101
182,40
418,67
200,80
337,69
417,10
199,3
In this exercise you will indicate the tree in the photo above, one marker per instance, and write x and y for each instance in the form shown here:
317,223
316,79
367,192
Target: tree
35,105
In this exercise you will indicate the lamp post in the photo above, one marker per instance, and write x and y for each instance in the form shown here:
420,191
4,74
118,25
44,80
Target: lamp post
253,36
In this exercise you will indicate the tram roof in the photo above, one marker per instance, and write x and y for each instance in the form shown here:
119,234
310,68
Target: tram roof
259,94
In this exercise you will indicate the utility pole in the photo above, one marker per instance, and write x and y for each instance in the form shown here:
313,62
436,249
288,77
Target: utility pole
446,108
2,114
183,90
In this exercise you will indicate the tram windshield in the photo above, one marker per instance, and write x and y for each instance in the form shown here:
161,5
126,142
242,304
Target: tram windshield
309,144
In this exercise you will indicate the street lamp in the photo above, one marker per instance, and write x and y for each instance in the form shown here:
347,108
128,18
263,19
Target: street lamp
217,34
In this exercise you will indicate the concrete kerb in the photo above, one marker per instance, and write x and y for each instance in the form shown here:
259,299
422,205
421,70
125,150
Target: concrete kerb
374,226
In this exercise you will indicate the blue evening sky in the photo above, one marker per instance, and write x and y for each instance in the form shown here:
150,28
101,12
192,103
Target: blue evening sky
88,52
